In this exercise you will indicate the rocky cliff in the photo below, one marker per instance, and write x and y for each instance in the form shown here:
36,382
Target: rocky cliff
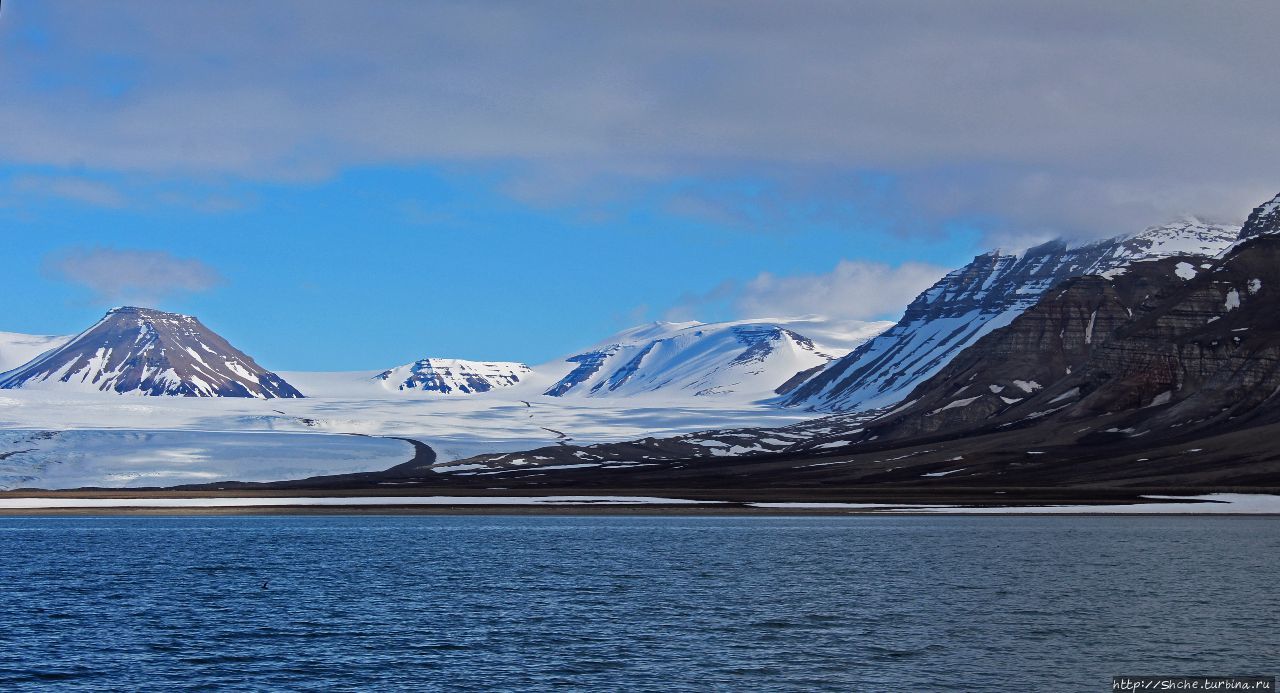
982,296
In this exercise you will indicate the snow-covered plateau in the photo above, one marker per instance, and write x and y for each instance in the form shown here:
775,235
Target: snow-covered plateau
17,349
68,439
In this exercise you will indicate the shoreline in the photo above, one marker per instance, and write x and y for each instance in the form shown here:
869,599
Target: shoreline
116,502
563,511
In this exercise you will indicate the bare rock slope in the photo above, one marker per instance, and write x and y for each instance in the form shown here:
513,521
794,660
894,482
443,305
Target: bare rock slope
150,352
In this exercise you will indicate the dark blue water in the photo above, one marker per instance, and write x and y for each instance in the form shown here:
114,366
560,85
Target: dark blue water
617,603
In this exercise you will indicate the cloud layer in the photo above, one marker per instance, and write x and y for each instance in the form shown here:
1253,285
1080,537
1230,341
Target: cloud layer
131,276
1089,117
68,188
853,290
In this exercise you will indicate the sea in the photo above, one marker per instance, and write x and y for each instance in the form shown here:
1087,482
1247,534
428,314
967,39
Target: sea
623,603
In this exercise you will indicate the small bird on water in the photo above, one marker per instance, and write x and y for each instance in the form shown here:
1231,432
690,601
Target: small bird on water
264,583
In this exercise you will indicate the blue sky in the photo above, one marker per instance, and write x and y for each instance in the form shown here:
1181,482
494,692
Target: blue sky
341,186
382,265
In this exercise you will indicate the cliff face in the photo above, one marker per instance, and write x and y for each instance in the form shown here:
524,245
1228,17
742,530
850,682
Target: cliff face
1206,357
983,296
1177,343
1263,220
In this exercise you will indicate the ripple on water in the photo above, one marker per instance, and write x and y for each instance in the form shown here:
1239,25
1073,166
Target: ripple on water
613,603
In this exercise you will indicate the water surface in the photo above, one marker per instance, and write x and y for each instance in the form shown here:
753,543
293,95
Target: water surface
633,603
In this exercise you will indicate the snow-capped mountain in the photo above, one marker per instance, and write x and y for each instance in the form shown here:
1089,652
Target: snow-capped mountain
453,376
1160,373
743,359
1265,219
984,295
17,349
150,352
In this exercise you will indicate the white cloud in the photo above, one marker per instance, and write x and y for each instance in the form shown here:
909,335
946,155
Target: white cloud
1067,116
854,290
132,276
71,188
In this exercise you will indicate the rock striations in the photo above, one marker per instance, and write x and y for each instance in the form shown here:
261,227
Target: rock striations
150,352
982,296
1264,220
1168,344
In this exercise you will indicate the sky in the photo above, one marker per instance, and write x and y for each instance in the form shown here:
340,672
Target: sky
337,185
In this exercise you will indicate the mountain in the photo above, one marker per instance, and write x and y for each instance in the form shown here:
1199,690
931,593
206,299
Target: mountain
150,352
744,359
1174,344
1163,375
982,296
1265,219
17,349
453,376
